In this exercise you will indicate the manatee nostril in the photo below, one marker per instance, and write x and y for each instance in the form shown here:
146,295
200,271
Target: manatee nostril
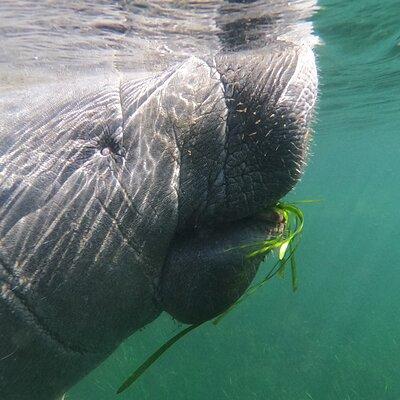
105,151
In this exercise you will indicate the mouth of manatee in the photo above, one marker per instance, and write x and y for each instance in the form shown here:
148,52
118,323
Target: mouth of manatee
267,129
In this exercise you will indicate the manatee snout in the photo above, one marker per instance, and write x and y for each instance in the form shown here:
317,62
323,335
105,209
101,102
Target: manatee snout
254,157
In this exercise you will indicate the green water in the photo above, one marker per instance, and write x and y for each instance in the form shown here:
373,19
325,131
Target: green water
338,336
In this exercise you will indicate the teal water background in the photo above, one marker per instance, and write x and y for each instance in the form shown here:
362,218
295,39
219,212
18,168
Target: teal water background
338,336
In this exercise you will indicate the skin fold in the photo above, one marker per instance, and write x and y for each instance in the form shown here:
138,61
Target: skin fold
124,195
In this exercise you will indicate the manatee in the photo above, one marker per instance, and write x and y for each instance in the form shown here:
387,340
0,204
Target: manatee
138,142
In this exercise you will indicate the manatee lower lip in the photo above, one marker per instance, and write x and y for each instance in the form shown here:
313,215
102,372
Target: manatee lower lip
207,269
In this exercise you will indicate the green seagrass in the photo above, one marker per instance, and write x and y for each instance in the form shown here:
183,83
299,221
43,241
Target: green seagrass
284,244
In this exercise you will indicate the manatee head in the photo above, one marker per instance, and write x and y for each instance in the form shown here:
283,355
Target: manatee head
128,181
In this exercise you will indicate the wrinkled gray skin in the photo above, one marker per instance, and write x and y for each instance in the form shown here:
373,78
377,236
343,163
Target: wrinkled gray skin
121,191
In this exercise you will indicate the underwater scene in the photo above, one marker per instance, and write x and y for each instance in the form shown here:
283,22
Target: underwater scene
326,325
338,336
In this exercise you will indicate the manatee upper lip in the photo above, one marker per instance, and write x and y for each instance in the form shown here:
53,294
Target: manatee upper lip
258,152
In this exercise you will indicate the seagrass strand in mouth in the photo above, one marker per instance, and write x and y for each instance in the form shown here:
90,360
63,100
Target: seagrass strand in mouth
290,220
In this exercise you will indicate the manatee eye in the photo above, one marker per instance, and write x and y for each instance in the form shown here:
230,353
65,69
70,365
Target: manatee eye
105,151
109,143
